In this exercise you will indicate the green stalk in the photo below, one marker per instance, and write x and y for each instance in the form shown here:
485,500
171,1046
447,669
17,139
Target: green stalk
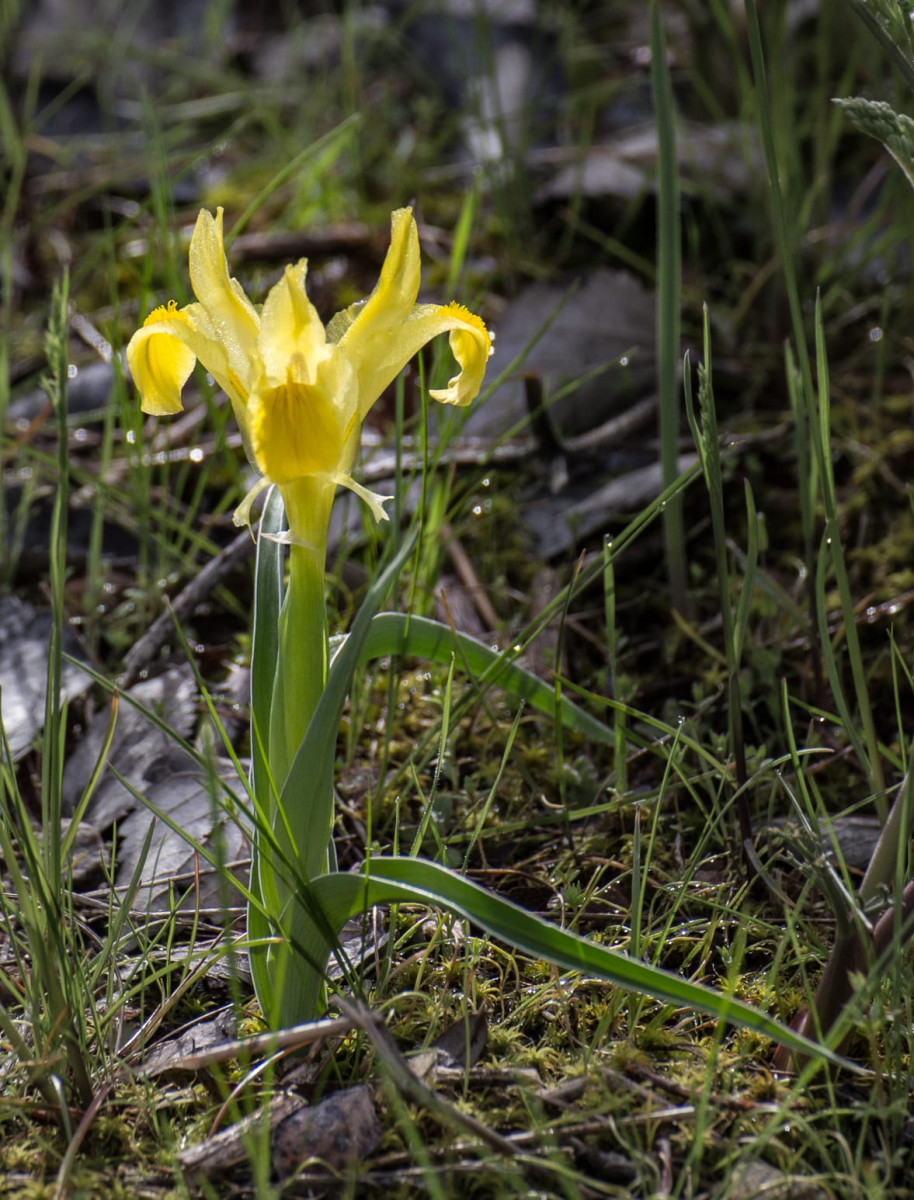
301,670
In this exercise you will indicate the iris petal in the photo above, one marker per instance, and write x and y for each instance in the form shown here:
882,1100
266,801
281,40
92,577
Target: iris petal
291,332
365,331
385,358
232,315
159,365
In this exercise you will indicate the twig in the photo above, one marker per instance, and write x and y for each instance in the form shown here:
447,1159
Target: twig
264,1043
145,649
61,1186
470,580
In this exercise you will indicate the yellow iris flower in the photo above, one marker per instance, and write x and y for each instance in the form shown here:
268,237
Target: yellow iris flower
300,392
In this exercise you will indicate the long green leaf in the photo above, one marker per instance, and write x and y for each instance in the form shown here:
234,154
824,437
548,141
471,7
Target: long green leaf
264,652
420,637
265,644
411,880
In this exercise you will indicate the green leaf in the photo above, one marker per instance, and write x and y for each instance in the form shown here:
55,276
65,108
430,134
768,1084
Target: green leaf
409,880
265,642
264,652
420,637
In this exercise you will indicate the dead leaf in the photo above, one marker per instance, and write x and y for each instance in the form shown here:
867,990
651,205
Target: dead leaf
149,762
24,638
167,1054
172,868
463,1042
560,522
230,1147
339,1131
585,325
140,752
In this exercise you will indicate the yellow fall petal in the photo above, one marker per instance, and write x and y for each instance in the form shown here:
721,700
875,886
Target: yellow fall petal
471,346
162,353
159,362
295,431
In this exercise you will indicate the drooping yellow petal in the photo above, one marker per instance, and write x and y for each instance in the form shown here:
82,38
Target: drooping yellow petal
471,345
161,356
160,363
291,332
234,319
470,342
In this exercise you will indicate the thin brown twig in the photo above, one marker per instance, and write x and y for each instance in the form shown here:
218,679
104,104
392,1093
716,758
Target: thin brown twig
207,578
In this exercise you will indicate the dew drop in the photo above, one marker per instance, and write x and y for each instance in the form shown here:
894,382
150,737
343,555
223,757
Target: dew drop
196,455
72,371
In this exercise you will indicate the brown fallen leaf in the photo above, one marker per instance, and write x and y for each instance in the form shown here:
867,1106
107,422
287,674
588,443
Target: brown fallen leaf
462,1043
339,1131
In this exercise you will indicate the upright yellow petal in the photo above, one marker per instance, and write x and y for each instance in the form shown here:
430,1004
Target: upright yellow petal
291,332
364,331
234,319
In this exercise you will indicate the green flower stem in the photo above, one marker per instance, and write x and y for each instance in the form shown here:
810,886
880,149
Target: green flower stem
301,671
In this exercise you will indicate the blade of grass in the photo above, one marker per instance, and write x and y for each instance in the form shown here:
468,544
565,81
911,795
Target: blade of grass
668,303
707,441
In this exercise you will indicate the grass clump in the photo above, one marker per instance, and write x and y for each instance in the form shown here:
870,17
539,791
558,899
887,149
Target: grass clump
753,700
